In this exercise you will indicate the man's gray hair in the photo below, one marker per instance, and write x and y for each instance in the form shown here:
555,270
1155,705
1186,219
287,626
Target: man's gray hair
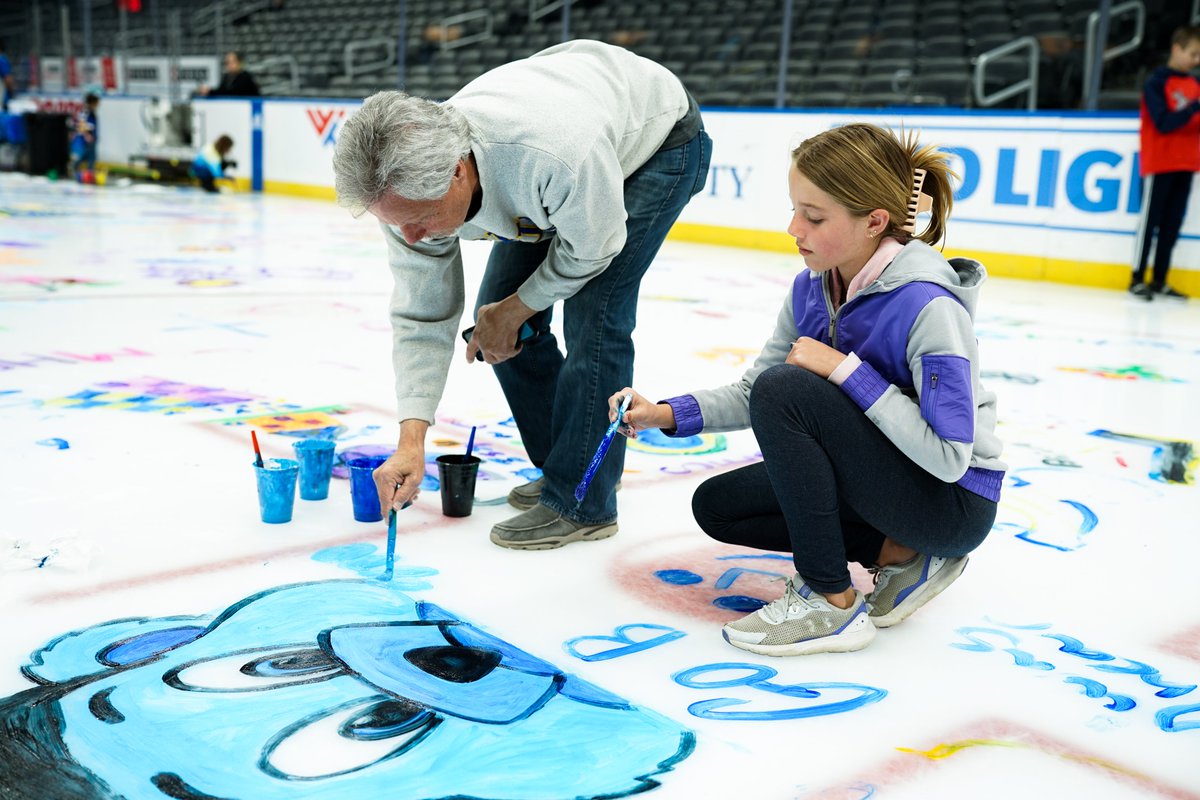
401,144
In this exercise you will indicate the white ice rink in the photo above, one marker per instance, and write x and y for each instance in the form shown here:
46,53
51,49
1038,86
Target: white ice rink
145,332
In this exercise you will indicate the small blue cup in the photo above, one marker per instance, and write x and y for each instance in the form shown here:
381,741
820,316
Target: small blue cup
276,489
363,493
316,465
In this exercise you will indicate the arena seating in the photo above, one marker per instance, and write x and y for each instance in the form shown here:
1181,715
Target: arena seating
842,52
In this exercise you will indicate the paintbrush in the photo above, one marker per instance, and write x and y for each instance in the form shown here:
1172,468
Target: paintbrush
258,462
590,473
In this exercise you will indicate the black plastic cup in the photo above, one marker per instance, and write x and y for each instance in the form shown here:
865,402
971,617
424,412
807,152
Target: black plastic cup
457,475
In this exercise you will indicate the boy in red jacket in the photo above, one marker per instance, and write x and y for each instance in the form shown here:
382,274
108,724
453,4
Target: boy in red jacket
1170,154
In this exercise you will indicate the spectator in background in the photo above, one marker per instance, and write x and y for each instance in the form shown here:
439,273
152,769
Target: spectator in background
236,82
83,142
1170,141
212,162
8,84
432,38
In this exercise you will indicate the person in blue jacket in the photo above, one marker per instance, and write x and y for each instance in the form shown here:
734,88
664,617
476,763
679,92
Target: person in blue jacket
878,440
85,139
211,162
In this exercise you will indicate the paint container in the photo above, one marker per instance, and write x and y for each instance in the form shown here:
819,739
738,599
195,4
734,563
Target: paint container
457,475
316,465
363,493
276,489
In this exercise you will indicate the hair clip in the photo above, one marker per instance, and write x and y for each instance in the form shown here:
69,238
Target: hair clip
918,202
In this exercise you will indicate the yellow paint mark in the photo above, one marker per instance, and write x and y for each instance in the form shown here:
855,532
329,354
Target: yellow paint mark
946,750
300,190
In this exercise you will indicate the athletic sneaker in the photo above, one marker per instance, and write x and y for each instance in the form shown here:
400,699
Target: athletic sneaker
802,622
527,495
1162,290
900,589
1142,291
543,528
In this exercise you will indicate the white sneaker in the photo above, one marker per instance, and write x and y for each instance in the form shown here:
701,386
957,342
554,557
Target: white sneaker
802,622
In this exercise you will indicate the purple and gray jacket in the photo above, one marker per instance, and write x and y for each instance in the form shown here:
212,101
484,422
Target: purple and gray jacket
918,381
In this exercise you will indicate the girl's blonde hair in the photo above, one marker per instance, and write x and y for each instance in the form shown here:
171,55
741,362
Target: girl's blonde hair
865,167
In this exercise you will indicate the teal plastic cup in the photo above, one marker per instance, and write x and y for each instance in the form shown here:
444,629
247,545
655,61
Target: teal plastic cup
316,465
276,489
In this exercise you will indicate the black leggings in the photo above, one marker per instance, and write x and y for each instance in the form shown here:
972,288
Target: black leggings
831,486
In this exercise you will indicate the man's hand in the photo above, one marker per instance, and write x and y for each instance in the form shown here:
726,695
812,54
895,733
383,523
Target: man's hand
398,480
816,357
496,329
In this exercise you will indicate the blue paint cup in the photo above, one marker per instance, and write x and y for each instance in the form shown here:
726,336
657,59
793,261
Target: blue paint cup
316,465
363,493
276,489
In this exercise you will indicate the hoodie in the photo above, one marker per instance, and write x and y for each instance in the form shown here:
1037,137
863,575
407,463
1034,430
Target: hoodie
912,331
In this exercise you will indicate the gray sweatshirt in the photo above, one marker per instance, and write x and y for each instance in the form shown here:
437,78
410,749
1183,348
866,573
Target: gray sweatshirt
554,138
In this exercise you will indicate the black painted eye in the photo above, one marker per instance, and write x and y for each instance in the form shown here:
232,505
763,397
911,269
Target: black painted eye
385,720
298,662
350,737
255,670
453,663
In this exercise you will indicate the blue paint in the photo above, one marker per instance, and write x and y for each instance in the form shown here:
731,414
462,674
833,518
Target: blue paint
1167,716
529,473
364,497
590,473
1073,646
1024,659
316,466
366,560
739,602
58,444
346,659
678,577
276,489
145,645
1089,517
622,637
759,678
733,573
391,547
1149,675
1093,689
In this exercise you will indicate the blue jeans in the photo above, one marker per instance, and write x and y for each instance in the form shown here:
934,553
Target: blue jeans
560,403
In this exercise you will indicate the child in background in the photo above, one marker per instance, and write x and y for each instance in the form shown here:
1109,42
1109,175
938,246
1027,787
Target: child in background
1170,141
211,162
83,142
878,441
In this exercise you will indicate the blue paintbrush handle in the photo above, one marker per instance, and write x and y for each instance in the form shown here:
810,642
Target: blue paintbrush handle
590,473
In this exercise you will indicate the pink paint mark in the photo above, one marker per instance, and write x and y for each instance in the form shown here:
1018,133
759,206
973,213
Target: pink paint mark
249,559
1122,462
1185,644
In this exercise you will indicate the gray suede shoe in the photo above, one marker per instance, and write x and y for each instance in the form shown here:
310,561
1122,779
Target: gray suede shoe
542,528
527,495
